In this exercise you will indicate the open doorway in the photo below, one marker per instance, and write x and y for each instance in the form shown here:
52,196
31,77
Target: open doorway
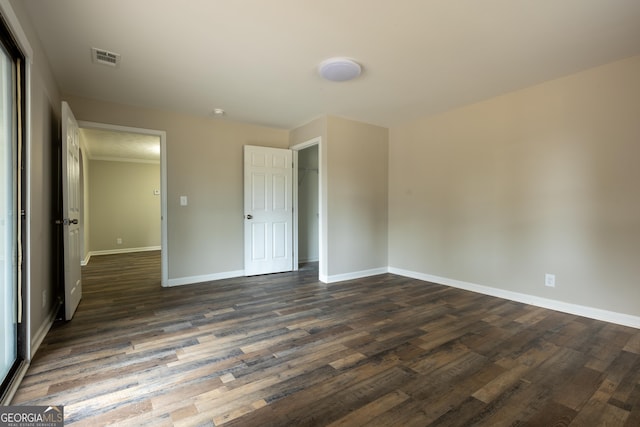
124,181
308,206
309,239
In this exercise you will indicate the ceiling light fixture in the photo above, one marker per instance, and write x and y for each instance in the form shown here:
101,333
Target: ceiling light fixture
339,69
218,112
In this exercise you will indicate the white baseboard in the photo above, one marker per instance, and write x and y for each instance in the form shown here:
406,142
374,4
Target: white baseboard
123,251
239,273
354,275
86,260
41,333
204,278
578,310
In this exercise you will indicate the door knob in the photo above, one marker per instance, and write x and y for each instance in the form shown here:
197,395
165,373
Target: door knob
249,216
66,221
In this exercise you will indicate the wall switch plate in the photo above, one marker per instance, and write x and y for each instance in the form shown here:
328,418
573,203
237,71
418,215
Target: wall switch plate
119,241
156,192
183,201
550,280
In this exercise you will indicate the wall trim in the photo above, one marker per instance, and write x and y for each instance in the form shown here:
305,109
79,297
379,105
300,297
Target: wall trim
42,332
576,309
86,259
180,281
355,275
124,160
122,251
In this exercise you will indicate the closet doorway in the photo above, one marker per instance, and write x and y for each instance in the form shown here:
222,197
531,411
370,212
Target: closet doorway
308,206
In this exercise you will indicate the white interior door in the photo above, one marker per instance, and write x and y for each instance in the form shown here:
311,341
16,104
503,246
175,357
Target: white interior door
71,211
268,206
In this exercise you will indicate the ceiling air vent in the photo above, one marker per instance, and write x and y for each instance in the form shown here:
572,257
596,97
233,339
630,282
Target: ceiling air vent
104,57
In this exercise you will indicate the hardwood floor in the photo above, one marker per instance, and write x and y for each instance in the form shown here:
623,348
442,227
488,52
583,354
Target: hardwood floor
288,350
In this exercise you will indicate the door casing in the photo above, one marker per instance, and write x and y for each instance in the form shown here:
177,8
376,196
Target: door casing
322,238
163,183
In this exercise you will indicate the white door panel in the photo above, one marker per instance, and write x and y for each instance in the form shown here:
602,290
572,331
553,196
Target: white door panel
259,242
268,174
71,211
280,240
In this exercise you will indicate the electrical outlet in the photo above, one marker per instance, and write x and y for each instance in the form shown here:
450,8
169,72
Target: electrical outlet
119,241
550,280
44,299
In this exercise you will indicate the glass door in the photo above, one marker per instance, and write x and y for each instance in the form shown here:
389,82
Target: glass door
11,95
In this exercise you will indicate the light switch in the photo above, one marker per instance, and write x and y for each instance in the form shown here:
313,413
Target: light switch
183,200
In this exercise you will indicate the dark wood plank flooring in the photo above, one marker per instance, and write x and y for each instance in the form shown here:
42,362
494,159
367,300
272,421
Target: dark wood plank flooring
285,349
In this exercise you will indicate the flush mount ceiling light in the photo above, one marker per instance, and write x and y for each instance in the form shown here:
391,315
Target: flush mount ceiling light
218,112
339,69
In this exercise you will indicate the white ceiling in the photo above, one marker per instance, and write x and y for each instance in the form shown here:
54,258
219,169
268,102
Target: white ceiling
257,59
120,146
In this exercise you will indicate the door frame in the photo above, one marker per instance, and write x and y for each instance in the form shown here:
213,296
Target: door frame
322,227
164,258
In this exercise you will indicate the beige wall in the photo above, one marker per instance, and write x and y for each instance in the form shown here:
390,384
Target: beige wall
357,184
353,171
543,180
314,129
123,205
204,163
